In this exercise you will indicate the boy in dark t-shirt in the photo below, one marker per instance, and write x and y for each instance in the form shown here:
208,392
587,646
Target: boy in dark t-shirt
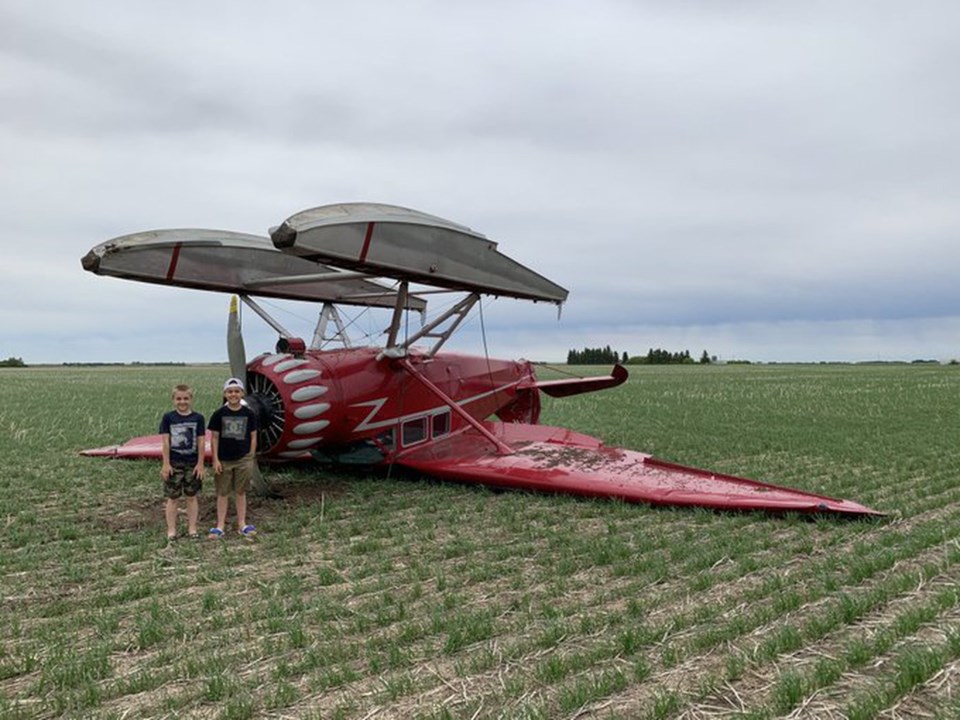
233,444
183,431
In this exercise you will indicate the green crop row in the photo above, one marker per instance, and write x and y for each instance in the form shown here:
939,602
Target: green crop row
385,594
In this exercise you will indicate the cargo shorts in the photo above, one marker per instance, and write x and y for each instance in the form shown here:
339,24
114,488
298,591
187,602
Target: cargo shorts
182,481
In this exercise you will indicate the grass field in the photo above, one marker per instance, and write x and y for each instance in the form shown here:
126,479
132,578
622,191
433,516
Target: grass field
372,596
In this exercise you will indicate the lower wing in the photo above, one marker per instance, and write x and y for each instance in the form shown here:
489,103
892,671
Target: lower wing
554,459
147,446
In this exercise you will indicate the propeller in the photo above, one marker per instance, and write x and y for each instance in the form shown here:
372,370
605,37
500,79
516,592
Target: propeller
238,369
235,350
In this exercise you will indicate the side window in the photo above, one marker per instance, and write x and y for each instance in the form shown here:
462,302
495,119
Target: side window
413,431
441,424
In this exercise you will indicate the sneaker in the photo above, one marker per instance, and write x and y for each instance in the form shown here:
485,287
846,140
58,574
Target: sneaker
215,533
248,531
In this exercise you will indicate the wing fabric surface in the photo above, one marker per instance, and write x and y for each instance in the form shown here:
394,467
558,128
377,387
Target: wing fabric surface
147,446
406,244
224,261
551,459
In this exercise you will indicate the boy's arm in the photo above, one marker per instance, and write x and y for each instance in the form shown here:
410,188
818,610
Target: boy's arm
165,468
214,451
201,451
253,443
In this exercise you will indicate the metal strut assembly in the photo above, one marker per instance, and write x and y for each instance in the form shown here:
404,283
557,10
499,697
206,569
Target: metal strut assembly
329,314
435,329
455,315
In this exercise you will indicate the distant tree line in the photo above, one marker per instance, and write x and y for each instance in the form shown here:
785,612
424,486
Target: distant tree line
13,362
654,356
659,356
135,363
595,356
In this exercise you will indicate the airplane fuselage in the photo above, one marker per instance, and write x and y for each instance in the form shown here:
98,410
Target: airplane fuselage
350,398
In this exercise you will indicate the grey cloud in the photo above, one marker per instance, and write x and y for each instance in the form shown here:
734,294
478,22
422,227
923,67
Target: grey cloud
675,166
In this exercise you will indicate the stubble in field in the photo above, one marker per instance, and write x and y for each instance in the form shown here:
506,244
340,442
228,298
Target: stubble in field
396,596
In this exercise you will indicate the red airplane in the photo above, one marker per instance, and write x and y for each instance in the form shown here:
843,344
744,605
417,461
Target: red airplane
451,416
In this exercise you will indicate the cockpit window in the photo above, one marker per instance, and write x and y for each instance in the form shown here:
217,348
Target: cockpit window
441,424
414,431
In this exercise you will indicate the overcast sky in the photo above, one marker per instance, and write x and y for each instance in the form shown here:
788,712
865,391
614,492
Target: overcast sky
770,181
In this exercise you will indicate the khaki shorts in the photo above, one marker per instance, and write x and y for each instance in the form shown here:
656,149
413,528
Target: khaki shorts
235,478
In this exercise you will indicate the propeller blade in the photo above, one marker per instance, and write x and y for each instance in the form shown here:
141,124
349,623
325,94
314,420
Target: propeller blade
235,351
238,369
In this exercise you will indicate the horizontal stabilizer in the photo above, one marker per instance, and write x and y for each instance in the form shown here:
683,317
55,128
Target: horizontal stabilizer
409,245
233,262
575,386
551,459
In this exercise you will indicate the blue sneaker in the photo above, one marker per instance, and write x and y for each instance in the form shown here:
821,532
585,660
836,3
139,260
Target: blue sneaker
249,532
215,533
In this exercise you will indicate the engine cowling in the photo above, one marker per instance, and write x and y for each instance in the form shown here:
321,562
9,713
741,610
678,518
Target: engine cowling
292,399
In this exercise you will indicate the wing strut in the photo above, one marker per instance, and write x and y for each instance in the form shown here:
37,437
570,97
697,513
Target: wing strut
454,316
250,303
397,314
329,314
502,447
458,312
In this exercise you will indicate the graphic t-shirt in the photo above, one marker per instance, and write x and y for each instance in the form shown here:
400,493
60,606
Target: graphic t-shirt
235,428
186,433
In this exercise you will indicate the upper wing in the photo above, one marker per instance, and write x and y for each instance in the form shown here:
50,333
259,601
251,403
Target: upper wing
330,254
406,244
233,262
557,460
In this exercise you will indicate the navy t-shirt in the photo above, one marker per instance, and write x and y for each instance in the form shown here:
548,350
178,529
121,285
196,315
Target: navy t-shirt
186,435
235,428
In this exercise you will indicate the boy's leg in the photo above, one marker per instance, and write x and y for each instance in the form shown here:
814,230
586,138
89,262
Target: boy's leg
222,485
244,479
170,511
241,501
192,486
172,489
222,501
193,512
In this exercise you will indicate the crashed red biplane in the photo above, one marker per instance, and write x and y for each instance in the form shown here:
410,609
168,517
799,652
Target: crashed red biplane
451,416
